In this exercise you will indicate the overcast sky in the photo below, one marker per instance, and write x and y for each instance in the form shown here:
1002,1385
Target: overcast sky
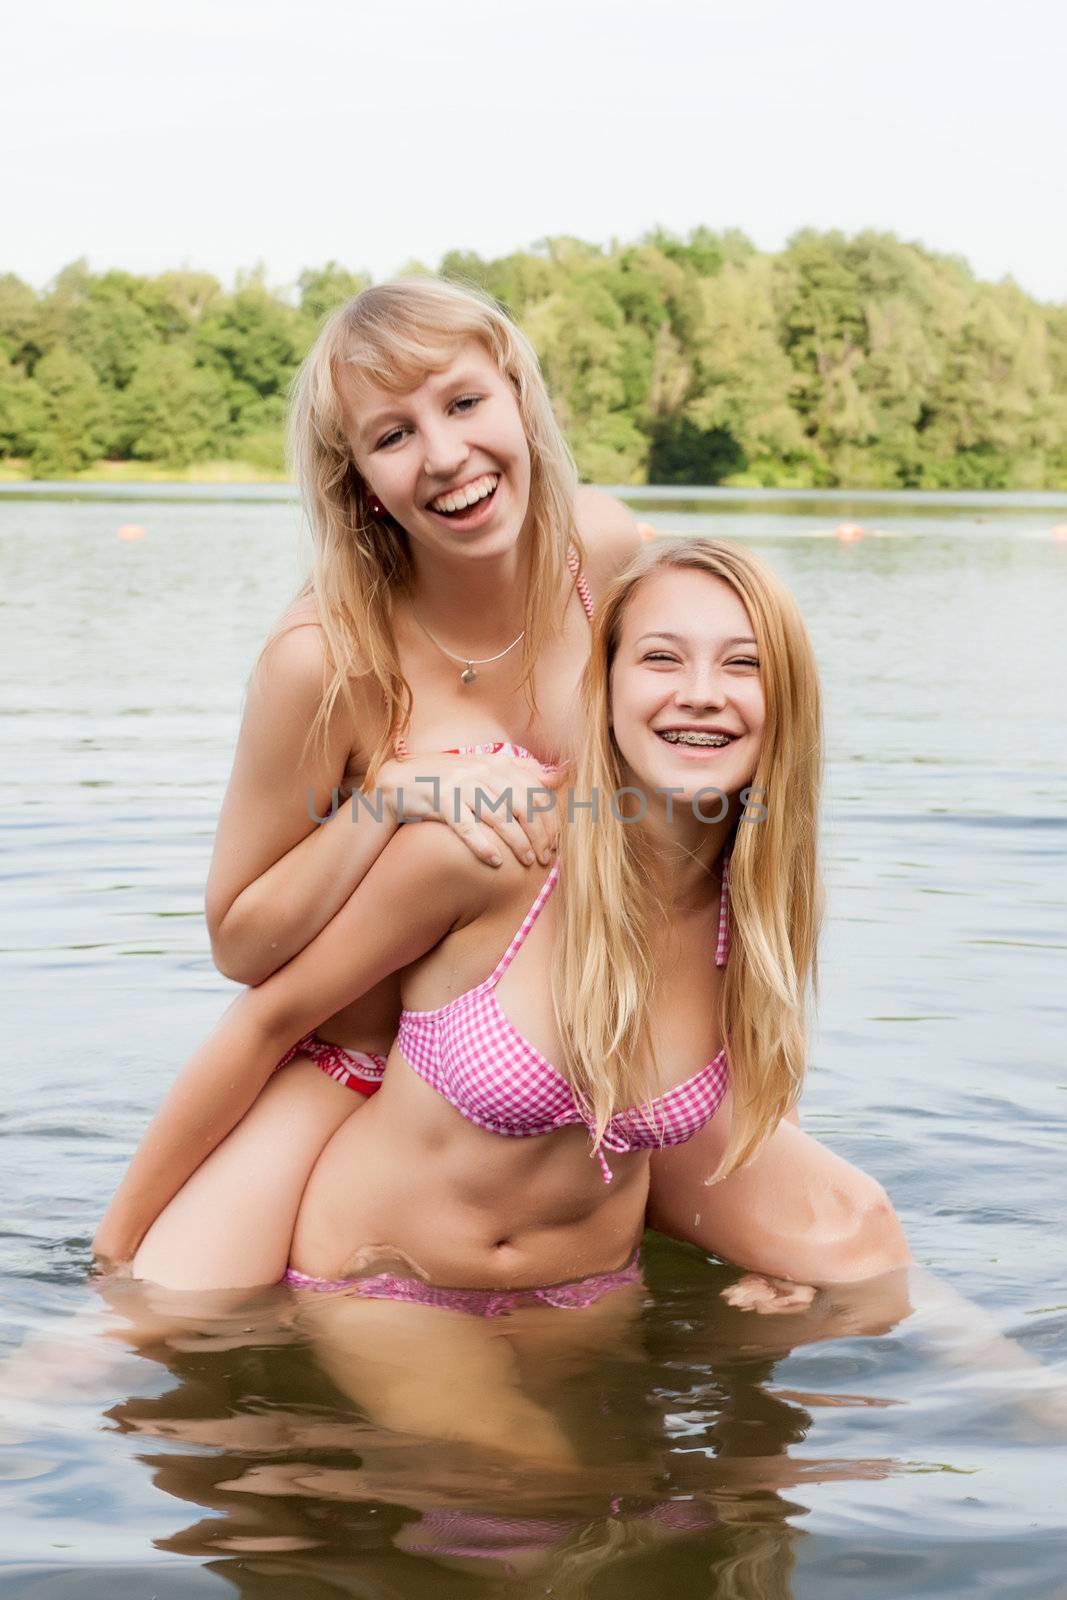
221,133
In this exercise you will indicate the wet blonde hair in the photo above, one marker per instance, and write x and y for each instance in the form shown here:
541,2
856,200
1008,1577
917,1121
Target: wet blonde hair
396,334
753,1559
604,966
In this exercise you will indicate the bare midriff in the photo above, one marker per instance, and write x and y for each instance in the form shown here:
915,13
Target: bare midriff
410,1187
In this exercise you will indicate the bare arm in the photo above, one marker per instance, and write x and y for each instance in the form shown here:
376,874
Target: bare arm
382,928
277,876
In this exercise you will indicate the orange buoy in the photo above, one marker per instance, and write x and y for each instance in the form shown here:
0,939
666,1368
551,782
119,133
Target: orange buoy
131,531
646,530
1060,531
849,532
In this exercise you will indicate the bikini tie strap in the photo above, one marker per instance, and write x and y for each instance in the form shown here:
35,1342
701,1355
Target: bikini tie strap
614,1140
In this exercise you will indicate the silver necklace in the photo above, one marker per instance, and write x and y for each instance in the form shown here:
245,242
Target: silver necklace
468,663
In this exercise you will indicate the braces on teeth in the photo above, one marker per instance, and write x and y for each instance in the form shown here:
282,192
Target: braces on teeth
692,736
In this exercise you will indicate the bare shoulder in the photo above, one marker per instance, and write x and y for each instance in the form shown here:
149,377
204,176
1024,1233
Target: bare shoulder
295,667
430,856
294,656
609,533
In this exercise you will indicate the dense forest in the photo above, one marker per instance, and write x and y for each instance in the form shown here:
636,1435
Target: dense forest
862,362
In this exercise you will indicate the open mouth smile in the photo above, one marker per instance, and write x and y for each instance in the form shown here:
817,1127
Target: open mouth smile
462,504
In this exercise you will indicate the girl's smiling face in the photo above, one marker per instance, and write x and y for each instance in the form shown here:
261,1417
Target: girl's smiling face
448,460
687,703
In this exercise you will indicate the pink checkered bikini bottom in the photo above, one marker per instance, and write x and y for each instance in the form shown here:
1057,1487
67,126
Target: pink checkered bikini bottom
573,1296
488,1536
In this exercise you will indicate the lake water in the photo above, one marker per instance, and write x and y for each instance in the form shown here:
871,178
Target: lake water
721,1462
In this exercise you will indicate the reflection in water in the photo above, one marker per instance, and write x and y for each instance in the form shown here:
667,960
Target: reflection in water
679,1450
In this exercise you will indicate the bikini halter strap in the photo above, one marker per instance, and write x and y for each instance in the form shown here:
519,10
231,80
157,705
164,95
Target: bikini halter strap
722,946
527,923
579,582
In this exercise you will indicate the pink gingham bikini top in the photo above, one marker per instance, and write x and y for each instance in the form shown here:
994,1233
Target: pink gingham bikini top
471,1053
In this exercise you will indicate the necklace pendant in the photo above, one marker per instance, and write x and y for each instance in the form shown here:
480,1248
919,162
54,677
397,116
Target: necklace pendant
468,674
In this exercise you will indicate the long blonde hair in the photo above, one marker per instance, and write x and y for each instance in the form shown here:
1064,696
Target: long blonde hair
396,334
604,962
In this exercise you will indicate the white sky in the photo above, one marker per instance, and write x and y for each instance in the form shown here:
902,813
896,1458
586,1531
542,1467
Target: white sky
221,133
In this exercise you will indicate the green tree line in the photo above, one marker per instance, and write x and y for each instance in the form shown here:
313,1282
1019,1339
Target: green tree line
861,362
